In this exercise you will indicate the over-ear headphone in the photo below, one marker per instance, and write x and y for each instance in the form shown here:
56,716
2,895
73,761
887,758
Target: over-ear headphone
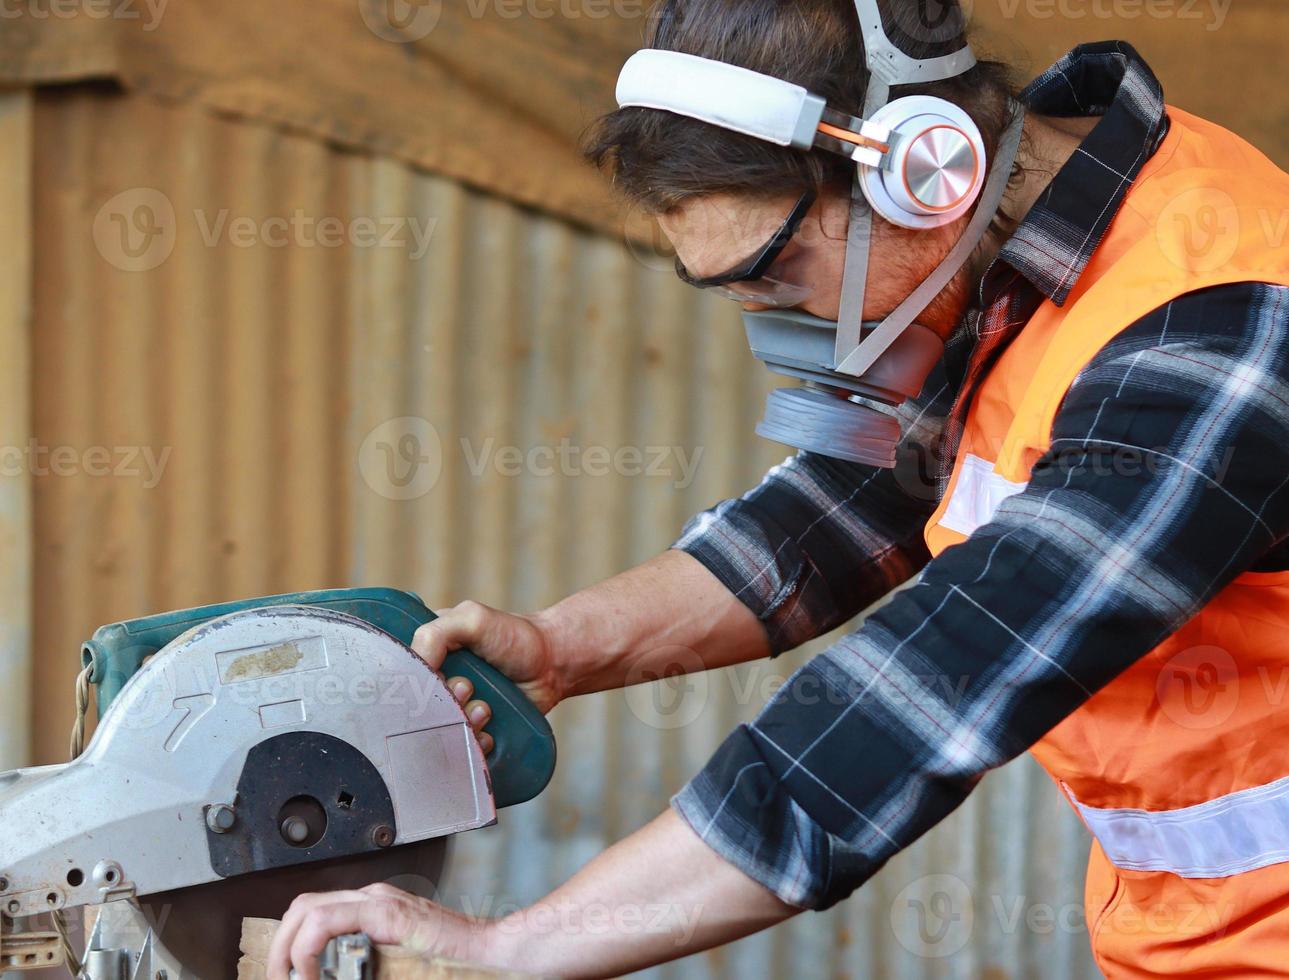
935,166
921,159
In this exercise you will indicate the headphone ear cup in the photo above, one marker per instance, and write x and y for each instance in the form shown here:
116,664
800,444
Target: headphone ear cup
936,166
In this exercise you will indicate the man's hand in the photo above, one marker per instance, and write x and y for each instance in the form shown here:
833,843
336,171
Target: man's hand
516,645
669,613
387,916
656,896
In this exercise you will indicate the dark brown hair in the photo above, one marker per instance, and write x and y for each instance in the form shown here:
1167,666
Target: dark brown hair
659,159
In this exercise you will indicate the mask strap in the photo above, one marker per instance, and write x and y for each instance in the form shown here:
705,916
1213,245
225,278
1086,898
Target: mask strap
854,282
858,359
876,97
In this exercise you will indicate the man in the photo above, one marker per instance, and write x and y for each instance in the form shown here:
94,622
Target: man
1100,541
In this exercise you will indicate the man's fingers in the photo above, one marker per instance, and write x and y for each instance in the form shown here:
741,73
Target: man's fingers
280,949
319,927
479,714
460,626
462,689
430,643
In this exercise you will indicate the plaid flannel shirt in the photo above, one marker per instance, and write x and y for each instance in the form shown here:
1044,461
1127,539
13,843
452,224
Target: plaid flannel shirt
884,734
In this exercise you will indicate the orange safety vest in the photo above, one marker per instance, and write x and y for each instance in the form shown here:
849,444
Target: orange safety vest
1180,766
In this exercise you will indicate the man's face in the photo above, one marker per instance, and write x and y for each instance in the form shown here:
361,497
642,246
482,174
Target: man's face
717,232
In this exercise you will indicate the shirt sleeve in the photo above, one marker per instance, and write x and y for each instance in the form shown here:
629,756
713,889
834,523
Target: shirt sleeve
821,539
1166,479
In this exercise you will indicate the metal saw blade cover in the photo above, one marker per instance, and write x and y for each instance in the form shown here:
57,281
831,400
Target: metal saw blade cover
199,928
129,815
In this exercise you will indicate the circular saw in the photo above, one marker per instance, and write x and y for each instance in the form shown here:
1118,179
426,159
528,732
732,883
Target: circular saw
246,753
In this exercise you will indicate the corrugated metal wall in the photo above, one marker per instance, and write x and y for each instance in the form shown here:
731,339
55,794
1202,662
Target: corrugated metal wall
227,405
15,424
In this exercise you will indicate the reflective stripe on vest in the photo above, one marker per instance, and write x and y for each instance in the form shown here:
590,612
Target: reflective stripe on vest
1226,836
977,495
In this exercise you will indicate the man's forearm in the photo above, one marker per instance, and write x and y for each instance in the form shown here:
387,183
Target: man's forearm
666,615
658,895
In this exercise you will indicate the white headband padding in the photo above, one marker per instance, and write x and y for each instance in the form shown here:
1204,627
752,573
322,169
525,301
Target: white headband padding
723,95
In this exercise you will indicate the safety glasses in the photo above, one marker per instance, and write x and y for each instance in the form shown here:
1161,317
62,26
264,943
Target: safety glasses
755,280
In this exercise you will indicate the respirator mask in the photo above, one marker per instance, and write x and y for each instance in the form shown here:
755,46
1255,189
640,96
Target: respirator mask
920,164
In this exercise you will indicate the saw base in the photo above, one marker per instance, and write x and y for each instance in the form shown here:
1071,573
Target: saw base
194,933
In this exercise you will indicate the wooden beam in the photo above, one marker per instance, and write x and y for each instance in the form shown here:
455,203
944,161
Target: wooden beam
15,429
392,963
495,95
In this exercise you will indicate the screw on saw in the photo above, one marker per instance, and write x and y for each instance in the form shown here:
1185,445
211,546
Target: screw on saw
220,818
382,836
295,830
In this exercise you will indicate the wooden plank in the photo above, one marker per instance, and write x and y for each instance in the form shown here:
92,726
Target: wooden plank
15,429
392,963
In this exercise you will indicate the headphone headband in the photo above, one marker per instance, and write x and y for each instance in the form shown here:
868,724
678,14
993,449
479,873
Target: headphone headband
724,95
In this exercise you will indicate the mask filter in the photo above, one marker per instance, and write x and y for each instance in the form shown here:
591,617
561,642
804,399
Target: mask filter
822,416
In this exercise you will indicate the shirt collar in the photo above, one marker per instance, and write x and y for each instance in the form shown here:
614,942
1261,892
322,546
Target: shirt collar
1054,242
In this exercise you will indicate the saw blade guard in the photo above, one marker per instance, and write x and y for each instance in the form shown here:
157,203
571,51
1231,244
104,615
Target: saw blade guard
522,760
273,735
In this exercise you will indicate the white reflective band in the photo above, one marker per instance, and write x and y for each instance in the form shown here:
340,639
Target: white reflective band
1227,836
976,496
724,95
